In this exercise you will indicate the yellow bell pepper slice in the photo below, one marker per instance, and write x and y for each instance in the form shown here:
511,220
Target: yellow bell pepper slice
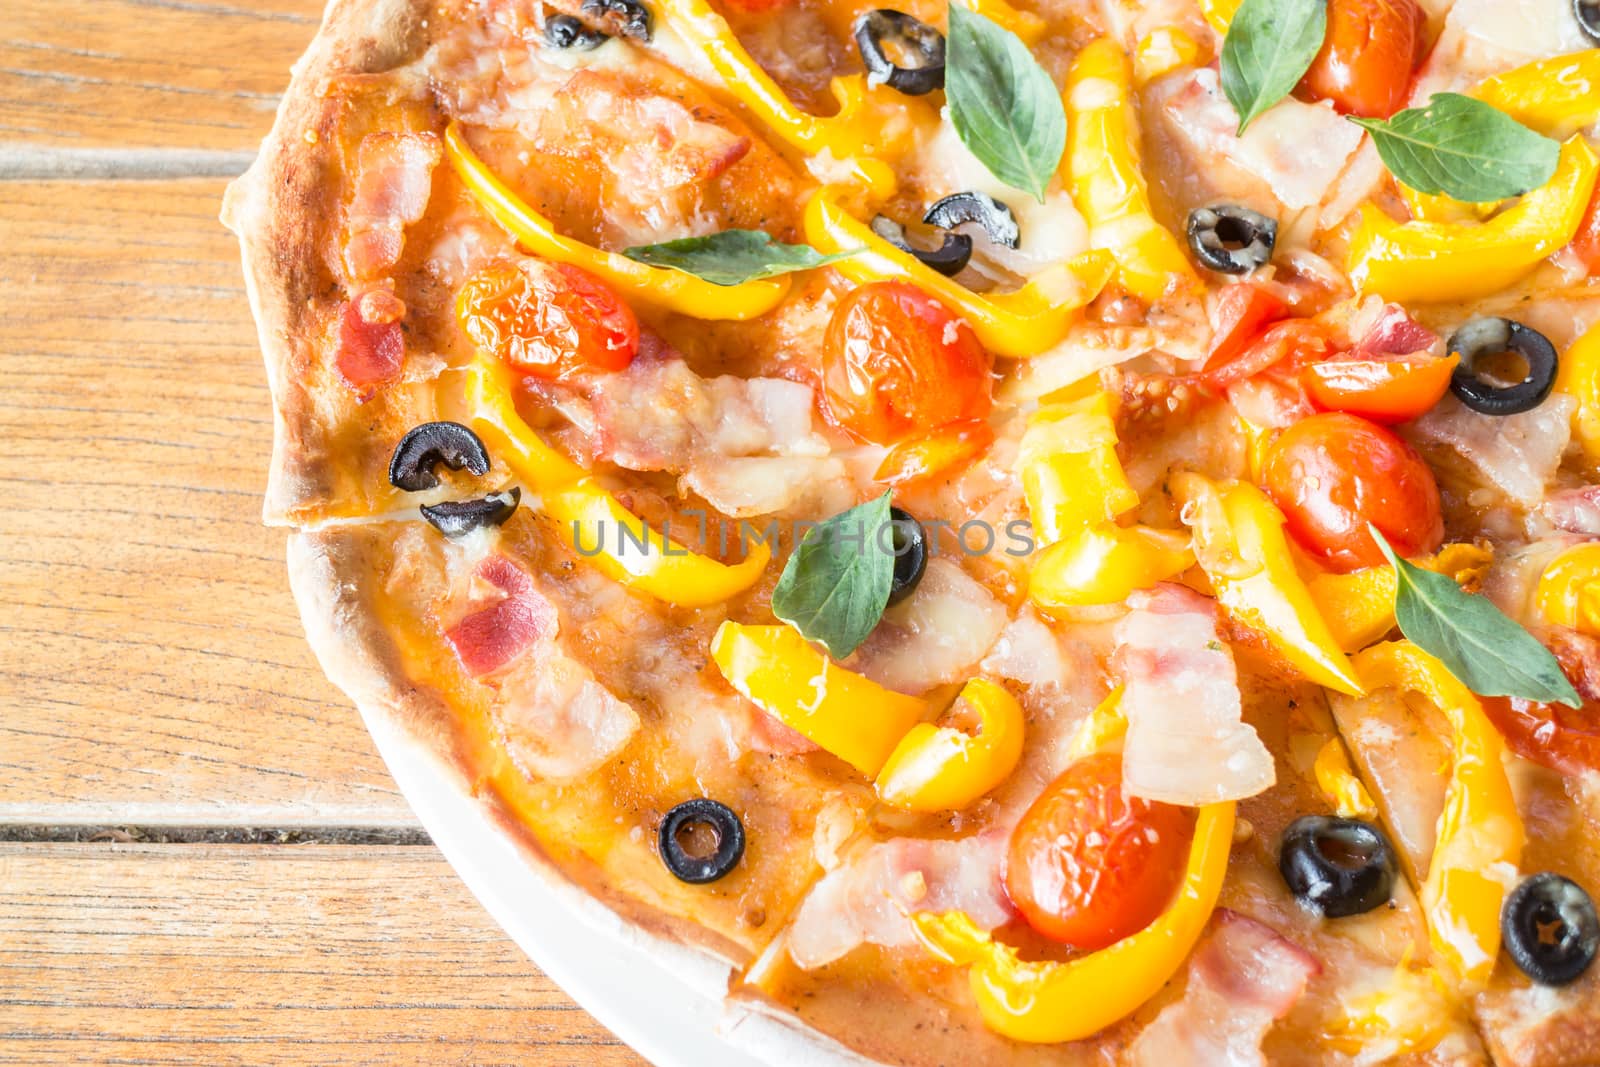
1578,376
1025,24
1359,606
845,713
1107,186
1480,832
1018,324
590,519
946,768
1568,593
672,290
1219,13
1071,476
1440,261
1104,563
1240,544
1162,52
853,134
1338,782
1048,1002
1556,96
1104,728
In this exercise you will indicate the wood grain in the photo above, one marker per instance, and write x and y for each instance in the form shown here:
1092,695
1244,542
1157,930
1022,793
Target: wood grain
130,74
151,660
267,955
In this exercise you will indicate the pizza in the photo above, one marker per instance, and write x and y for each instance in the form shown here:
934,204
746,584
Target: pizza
1043,532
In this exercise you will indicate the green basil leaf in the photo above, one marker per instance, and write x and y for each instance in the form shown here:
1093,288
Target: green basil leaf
1484,648
732,256
1463,148
1268,49
1004,107
836,585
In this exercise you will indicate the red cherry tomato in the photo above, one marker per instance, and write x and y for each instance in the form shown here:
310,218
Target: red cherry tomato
1238,317
1367,57
550,320
897,362
1333,474
1554,735
1286,345
1087,865
1388,390
936,453
1586,245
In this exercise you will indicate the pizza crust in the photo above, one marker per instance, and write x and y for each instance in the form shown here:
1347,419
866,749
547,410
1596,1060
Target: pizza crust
276,209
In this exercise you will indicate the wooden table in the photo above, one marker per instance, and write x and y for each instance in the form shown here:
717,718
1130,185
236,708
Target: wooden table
202,859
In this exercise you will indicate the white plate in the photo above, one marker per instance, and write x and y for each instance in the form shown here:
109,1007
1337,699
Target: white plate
665,1008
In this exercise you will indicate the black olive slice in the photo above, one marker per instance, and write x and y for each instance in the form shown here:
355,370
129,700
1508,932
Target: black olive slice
1482,338
1231,239
885,37
425,447
624,18
910,554
1337,867
1550,929
701,817
1588,14
564,31
457,518
995,218
948,259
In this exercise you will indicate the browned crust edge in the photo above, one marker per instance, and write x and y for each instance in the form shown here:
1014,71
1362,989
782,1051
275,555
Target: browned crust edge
276,209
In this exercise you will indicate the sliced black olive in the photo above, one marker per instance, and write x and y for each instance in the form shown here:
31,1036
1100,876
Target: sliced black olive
948,259
1231,239
564,31
457,518
701,840
1550,929
1337,867
426,446
1588,12
624,18
1481,339
910,554
886,38
995,218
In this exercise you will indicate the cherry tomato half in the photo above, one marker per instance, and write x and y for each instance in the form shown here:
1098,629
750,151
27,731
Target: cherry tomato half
1367,57
1554,735
1240,314
1087,865
897,362
548,319
935,453
1288,344
1333,474
1386,390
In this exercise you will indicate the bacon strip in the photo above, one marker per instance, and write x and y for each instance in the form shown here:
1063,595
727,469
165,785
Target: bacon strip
393,177
1242,979
371,343
1187,742
491,637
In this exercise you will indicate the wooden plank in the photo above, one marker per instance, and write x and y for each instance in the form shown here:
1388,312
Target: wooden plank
171,74
152,666
284,955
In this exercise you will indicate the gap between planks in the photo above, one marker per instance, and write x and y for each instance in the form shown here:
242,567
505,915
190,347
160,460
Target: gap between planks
21,164
215,835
